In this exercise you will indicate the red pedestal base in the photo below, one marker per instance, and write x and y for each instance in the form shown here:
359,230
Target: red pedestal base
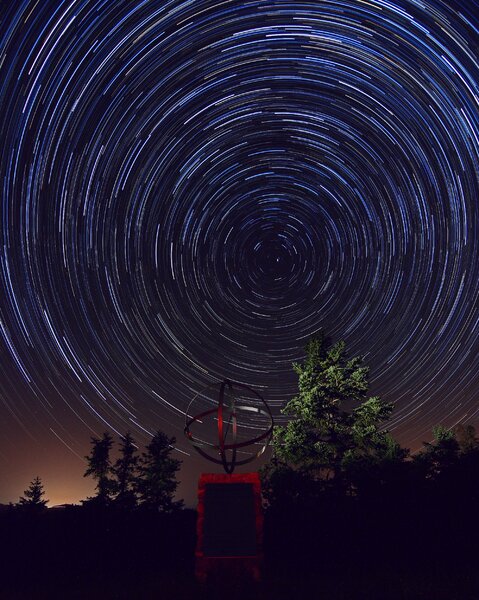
229,527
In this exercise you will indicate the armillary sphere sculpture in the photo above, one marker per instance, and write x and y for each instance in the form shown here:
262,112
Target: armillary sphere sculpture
238,421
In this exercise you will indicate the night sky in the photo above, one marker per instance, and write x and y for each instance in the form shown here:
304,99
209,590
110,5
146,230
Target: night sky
192,189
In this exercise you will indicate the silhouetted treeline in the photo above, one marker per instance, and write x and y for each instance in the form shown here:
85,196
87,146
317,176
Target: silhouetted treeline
403,527
404,520
346,503
147,480
349,513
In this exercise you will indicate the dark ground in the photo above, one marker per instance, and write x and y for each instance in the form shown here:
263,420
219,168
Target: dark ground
345,551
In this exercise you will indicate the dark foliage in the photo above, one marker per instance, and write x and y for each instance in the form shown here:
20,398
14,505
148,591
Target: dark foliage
125,471
358,509
33,497
147,481
349,516
99,467
156,482
409,531
405,538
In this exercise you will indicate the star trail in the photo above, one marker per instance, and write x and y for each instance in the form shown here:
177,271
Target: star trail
192,189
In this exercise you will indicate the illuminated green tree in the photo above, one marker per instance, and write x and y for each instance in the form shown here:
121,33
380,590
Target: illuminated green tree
333,424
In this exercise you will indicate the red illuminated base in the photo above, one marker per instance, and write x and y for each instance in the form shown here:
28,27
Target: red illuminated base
234,568
220,549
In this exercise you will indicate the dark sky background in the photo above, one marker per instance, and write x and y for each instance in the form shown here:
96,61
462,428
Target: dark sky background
192,189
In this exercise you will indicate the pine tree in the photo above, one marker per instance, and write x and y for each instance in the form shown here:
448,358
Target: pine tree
33,496
333,423
99,467
125,472
156,483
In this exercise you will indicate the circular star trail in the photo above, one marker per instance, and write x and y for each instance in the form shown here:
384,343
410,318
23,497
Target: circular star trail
192,189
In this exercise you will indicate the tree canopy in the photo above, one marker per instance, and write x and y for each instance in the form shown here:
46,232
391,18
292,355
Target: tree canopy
333,424
33,497
156,481
124,470
100,468
148,481
332,419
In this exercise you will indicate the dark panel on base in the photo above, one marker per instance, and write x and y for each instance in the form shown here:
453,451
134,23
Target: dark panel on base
230,520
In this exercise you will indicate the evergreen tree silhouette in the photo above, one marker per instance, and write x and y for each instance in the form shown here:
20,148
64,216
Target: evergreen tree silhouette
99,467
156,482
125,472
33,496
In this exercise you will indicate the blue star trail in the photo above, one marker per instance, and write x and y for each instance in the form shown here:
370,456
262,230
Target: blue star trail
192,189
